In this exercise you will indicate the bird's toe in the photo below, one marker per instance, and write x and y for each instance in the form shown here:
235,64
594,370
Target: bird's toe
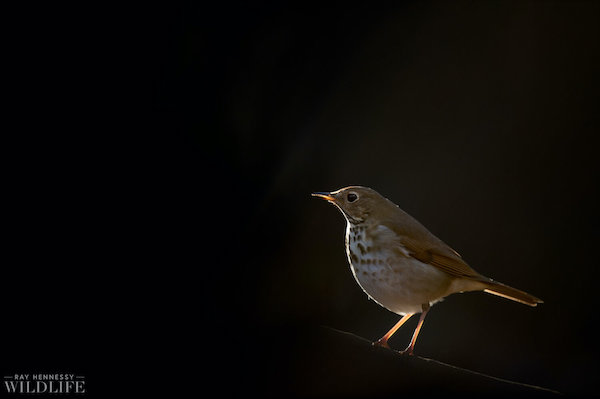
381,343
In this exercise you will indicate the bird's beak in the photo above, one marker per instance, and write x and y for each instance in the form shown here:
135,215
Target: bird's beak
325,196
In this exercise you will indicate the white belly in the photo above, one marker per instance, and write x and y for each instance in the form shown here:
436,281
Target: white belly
399,283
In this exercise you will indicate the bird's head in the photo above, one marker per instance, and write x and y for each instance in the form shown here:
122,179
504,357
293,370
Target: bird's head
357,203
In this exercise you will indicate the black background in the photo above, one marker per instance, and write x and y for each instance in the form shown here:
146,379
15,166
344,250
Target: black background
158,162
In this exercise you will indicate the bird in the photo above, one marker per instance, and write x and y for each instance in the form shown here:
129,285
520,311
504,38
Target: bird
400,264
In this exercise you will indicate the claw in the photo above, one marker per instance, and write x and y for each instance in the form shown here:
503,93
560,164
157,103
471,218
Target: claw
381,343
408,351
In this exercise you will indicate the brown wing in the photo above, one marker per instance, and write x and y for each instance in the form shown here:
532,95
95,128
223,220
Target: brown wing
421,244
444,259
427,248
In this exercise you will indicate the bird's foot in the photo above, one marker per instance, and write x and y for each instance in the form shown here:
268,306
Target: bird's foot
408,351
381,343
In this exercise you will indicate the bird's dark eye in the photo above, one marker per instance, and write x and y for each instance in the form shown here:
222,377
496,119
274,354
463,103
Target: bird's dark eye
352,197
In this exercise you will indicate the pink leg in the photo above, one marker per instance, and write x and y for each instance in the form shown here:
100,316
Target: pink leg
413,341
383,340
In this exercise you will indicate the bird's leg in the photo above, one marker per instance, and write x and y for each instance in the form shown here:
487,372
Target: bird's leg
383,340
413,341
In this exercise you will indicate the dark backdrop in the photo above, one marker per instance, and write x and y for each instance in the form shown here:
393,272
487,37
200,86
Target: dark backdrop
162,185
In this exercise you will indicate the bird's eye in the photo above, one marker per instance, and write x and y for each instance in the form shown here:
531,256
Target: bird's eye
352,197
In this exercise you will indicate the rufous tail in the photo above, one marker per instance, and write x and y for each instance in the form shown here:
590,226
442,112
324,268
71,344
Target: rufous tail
511,293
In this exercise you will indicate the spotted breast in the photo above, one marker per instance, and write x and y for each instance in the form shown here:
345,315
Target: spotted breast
390,276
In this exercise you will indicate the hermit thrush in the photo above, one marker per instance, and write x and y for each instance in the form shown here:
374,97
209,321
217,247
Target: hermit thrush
400,264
